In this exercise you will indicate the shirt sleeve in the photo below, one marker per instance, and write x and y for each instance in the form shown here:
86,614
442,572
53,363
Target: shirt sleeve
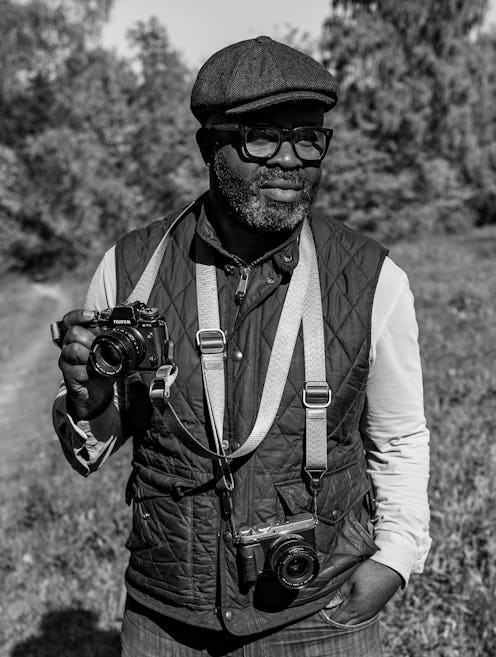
394,429
88,443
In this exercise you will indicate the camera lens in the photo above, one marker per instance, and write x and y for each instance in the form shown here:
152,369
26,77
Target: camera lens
109,354
117,352
297,567
293,561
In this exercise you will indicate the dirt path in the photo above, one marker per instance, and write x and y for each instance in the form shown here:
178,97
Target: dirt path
28,383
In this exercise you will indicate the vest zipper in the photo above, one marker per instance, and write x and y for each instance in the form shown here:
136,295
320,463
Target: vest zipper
244,274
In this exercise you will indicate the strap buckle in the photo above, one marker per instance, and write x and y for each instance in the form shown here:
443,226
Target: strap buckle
161,384
316,394
315,478
211,341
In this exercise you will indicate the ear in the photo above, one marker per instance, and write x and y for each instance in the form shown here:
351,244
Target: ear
206,143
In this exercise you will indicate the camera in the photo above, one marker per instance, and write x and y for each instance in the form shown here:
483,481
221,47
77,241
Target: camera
130,337
284,550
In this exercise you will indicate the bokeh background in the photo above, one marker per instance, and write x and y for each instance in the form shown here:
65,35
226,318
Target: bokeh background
96,138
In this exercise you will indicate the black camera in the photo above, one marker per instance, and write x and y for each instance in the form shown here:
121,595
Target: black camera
284,550
130,337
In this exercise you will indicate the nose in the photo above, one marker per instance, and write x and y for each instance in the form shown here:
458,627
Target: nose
285,157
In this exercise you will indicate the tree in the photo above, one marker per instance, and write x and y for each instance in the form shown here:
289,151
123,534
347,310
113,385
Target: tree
36,38
91,145
165,160
416,91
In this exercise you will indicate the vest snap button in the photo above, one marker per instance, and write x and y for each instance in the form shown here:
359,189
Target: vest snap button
229,615
237,355
335,514
225,444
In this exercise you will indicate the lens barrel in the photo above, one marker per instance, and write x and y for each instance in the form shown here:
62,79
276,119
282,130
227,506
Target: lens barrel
117,352
293,561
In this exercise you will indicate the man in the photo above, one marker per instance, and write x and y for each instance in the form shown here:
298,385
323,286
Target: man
280,548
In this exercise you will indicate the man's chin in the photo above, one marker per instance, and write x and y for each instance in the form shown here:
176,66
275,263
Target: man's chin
270,216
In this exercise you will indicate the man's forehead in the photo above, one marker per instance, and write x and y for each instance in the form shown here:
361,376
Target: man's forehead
284,114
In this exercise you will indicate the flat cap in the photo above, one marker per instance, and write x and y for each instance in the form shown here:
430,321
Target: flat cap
258,73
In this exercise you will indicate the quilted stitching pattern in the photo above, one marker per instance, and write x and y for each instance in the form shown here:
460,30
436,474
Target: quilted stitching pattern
349,266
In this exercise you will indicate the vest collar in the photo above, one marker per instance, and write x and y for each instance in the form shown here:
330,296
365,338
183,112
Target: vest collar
285,255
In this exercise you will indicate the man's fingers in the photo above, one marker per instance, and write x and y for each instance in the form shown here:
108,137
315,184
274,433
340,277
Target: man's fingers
73,318
79,335
77,316
77,374
74,353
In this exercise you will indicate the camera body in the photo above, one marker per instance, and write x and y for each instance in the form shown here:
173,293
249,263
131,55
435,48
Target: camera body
284,550
129,337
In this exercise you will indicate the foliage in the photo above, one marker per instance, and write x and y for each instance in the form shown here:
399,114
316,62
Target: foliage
93,144
415,144
97,144
164,156
435,22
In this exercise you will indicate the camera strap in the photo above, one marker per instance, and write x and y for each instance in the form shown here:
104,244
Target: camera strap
144,286
303,302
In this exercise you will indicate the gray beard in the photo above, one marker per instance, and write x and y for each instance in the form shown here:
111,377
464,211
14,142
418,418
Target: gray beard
255,211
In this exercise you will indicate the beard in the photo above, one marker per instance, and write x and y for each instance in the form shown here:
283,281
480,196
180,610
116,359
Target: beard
245,202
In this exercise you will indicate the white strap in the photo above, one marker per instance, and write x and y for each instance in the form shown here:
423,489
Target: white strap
282,349
144,286
317,395
303,298
212,363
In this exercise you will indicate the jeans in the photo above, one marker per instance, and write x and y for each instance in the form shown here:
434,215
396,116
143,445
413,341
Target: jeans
148,634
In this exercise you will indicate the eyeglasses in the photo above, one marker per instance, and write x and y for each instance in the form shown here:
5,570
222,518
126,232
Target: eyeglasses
261,142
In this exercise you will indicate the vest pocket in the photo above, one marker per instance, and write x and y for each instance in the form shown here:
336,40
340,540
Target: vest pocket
343,537
341,490
160,541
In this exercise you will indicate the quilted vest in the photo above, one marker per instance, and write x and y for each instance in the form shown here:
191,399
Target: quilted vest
183,560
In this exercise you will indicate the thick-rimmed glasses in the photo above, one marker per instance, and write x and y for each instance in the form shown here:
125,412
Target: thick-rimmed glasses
261,142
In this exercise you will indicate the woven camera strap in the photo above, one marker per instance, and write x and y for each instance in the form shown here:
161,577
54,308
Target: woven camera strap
303,301
166,374
144,286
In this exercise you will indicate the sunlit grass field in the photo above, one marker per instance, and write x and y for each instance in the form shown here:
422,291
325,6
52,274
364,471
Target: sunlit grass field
61,536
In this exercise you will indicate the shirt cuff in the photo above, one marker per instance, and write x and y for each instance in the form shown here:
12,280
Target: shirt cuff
400,553
86,443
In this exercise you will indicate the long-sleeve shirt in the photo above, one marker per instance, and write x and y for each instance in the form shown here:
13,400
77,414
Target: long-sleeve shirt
393,426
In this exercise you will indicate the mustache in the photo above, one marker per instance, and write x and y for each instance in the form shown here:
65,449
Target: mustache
267,175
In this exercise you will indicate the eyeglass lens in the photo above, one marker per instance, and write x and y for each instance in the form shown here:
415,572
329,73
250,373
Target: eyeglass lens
308,143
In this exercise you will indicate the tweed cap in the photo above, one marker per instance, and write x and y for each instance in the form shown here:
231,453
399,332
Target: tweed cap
258,73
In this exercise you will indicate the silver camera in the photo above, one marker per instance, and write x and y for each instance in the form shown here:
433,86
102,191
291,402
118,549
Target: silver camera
284,550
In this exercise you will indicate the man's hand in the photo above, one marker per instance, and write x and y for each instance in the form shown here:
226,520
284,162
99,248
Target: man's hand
366,592
87,396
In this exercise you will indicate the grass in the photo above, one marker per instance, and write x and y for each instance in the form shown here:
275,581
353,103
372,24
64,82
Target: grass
61,538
